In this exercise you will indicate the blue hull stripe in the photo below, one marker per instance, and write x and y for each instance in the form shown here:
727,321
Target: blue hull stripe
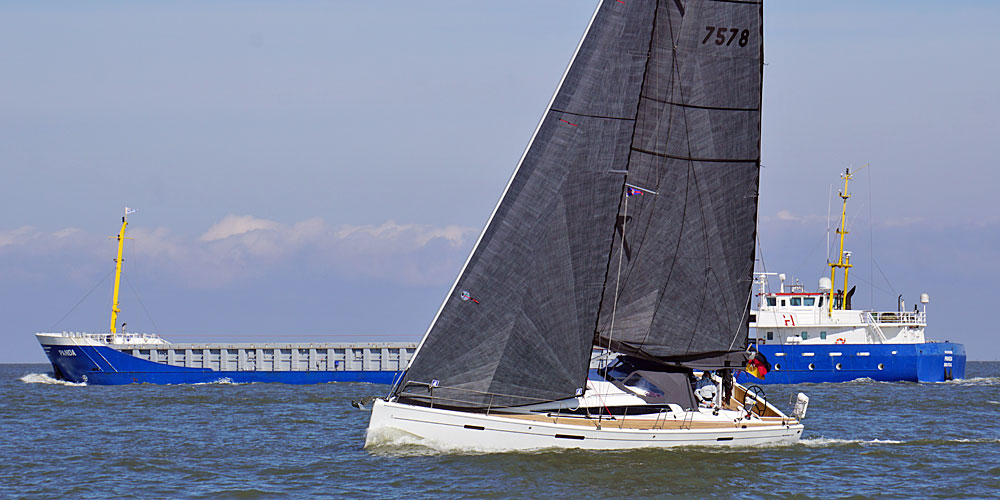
927,362
101,365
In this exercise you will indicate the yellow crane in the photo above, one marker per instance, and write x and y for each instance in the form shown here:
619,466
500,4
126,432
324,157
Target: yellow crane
118,269
844,259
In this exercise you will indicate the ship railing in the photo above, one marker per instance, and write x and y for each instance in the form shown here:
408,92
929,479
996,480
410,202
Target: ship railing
873,328
900,317
118,338
456,399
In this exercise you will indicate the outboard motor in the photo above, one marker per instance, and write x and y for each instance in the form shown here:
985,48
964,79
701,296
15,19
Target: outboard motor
801,404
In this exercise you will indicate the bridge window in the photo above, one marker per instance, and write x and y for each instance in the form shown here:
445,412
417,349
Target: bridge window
809,301
821,301
770,335
771,301
796,301
783,302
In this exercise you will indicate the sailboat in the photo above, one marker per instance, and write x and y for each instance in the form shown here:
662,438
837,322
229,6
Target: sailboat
629,227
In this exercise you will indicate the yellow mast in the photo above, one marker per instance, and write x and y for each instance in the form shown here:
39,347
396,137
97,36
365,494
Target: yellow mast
118,270
841,262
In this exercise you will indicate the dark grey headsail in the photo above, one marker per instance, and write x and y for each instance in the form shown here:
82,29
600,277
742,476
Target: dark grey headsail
519,324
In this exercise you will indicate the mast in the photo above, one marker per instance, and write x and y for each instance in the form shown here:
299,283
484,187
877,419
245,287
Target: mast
844,260
118,271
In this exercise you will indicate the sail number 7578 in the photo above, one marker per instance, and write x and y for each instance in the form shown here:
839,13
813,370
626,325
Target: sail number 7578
722,34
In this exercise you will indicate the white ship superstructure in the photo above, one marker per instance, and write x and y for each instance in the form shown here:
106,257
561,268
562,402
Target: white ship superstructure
799,317
820,337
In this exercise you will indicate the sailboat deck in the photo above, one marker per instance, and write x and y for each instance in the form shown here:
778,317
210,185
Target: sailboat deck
654,424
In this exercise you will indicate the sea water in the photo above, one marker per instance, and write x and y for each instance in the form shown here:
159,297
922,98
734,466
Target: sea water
225,440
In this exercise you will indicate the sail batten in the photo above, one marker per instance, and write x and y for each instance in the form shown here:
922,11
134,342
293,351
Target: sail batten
648,100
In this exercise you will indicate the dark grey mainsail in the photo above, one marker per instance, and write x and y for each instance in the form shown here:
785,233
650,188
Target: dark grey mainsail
687,263
645,103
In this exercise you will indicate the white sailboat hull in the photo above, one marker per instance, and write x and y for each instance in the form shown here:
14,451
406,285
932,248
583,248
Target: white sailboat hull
453,430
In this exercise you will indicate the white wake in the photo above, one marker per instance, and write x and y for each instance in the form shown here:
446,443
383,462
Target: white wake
45,378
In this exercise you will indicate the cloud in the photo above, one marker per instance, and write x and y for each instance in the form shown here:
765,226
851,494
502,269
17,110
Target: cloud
242,248
421,234
234,225
17,236
788,216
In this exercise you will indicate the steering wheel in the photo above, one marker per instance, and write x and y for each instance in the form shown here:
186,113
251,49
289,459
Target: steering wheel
759,398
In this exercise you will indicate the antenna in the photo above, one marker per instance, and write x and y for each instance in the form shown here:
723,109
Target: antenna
829,208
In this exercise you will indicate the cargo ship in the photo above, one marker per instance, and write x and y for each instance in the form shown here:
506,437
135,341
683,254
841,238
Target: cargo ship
819,337
117,358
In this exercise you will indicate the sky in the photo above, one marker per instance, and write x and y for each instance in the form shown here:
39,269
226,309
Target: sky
320,170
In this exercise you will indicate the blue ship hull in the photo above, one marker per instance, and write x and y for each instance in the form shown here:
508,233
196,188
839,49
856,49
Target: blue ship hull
100,365
794,364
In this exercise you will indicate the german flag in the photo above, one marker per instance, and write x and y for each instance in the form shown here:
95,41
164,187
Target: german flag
758,366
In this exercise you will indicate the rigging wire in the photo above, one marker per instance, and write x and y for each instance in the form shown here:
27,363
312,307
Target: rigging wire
614,305
829,211
746,307
871,244
99,283
156,329
135,291
884,276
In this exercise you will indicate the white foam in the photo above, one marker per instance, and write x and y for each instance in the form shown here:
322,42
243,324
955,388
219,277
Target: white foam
44,378
980,440
994,402
862,380
818,442
395,442
975,381
221,381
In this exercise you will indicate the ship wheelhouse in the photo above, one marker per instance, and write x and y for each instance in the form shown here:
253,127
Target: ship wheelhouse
794,316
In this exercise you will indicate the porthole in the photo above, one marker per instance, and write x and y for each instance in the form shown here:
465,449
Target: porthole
812,366
777,367
881,366
839,366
